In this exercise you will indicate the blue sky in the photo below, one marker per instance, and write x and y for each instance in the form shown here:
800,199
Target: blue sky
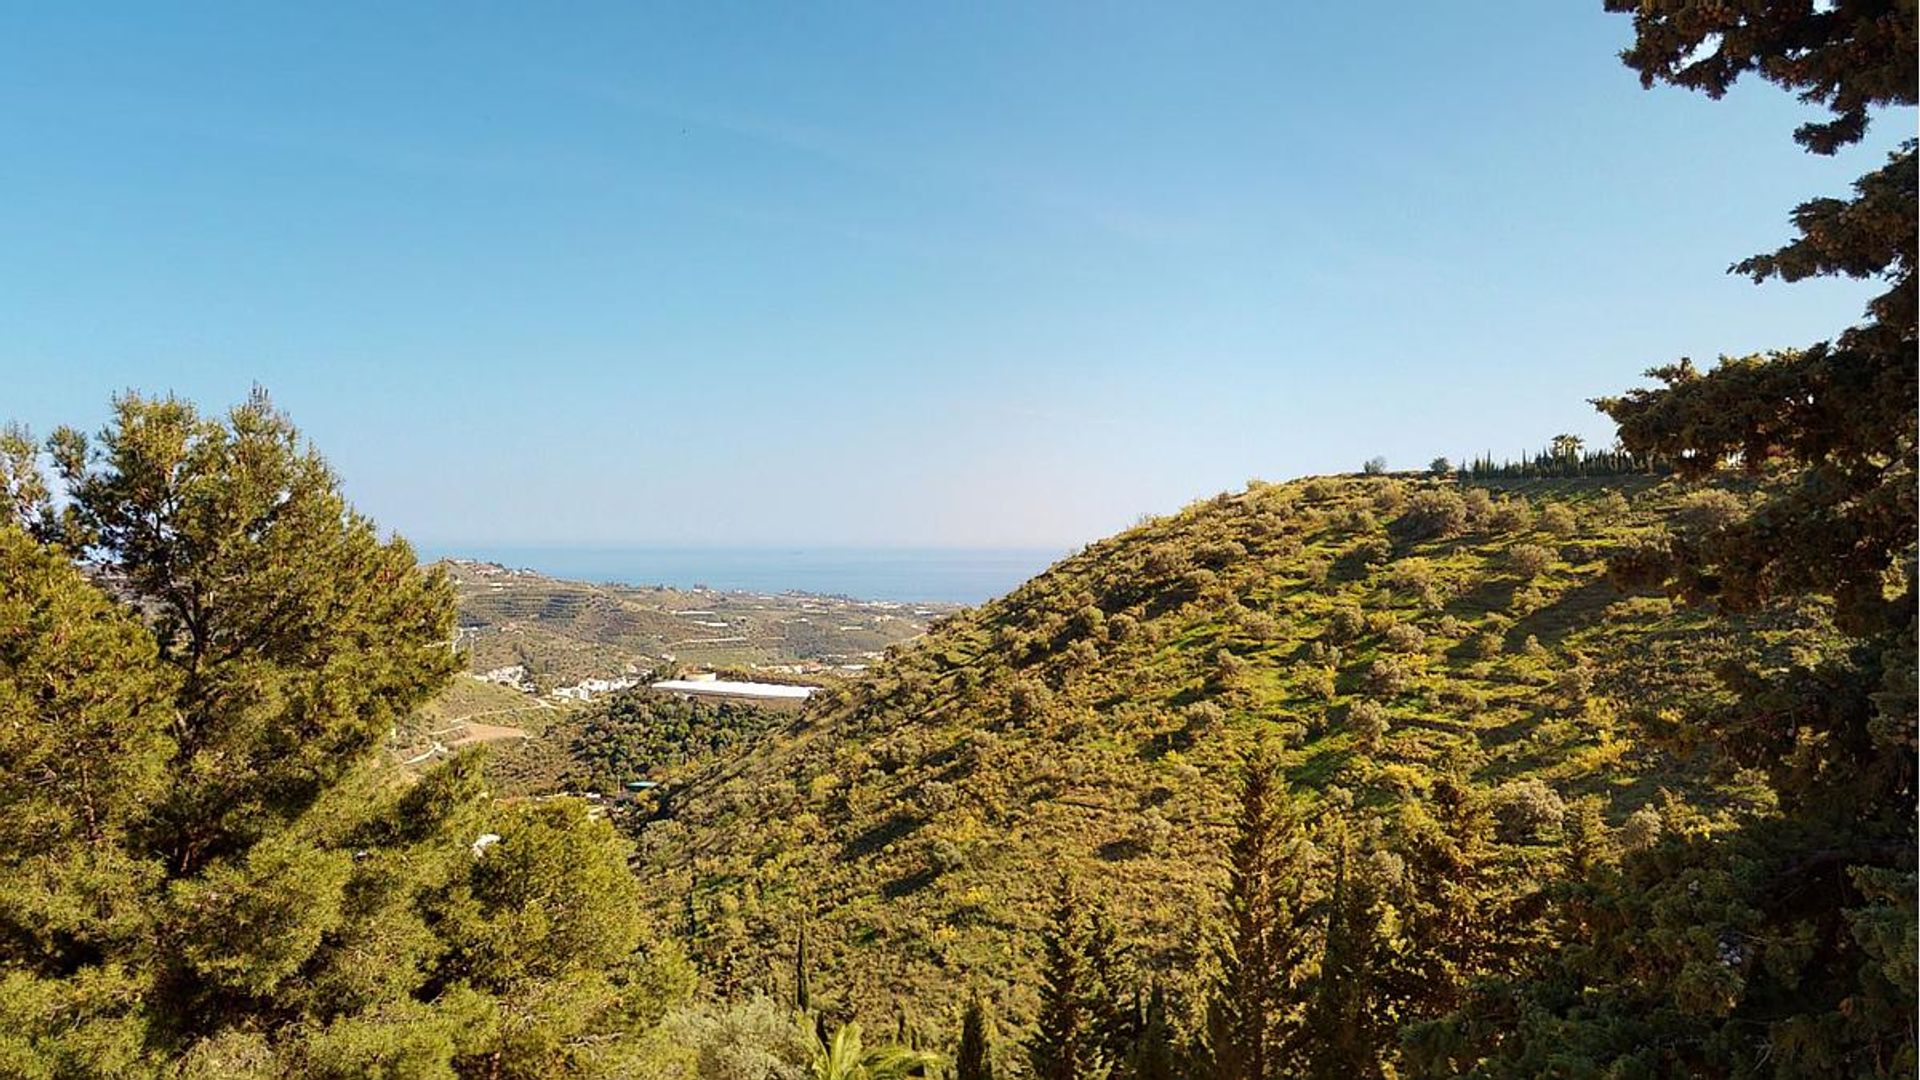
881,274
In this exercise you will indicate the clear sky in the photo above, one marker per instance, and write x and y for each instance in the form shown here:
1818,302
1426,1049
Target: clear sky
873,274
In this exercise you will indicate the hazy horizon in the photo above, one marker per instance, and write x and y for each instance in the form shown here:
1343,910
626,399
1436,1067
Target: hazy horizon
873,276
950,575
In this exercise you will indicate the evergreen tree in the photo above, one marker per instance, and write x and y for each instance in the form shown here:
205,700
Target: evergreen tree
1768,950
1111,1016
207,864
1462,921
1151,1057
1347,1019
1250,1014
974,1059
1065,1045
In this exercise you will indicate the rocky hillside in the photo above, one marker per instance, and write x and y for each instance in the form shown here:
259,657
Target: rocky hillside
1378,631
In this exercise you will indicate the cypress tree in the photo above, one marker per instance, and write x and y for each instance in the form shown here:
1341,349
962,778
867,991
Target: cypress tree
1457,921
1345,1019
1152,1053
1064,1045
1257,958
1111,1003
974,1059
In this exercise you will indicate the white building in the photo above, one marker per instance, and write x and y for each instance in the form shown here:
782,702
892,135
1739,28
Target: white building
709,686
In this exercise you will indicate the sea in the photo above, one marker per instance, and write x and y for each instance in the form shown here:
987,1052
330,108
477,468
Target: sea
907,575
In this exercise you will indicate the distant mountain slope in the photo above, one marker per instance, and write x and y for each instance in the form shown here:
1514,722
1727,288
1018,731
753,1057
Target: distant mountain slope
1379,629
564,631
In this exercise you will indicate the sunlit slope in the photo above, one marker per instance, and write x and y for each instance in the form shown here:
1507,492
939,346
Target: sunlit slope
1379,630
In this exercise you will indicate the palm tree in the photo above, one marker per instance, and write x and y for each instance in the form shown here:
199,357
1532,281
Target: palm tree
842,1057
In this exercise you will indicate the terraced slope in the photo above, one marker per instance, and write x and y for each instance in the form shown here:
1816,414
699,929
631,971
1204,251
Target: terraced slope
1379,630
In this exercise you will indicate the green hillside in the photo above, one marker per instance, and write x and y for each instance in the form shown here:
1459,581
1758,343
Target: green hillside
1379,631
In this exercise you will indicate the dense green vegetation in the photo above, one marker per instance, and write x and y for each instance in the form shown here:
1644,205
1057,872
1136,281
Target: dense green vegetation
638,735
1405,648
207,866
1494,817
1576,766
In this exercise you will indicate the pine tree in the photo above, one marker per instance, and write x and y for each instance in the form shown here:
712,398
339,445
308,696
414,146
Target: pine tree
1764,950
974,1059
206,859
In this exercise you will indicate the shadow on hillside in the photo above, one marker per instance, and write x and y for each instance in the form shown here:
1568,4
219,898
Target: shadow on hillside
896,828
908,885
1575,609
1493,595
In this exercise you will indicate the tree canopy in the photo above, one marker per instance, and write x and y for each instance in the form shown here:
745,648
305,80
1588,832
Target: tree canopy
209,867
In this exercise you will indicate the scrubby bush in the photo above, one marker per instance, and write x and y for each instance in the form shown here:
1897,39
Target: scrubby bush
755,1040
1525,809
943,856
1345,623
1197,583
1479,504
1090,622
1388,676
1574,684
1259,625
1317,572
1219,555
1203,718
1404,638
1559,520
1612,507
1319,489
1029,701
1417,580
1527,601
1229,671
1432,513
1710,511
1320,684
1165,560
1373,551
1390,497
1150,832
1368,721
1511,515
1529,560
1080,656
1641,830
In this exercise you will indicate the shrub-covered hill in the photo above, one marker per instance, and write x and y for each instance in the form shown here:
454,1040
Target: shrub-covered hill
1380,632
